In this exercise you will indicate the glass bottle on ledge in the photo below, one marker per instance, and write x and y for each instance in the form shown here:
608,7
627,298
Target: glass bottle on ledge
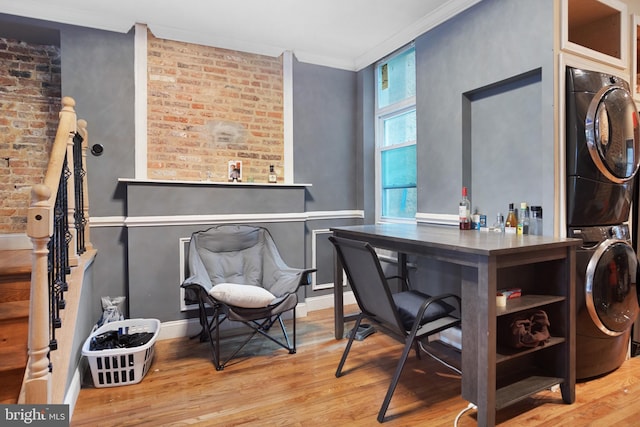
464,211
273,178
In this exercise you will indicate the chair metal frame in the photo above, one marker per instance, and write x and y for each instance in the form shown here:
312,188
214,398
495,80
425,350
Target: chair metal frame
259,323
376,303
212,312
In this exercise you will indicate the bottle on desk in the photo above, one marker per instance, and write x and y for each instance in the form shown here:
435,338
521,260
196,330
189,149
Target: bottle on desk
535,227
511,223
464,211
523,219
498,226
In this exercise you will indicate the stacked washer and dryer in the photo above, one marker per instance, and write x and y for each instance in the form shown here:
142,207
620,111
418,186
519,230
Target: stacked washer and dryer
603,156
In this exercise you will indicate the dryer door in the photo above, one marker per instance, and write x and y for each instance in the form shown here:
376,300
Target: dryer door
611,128
610,282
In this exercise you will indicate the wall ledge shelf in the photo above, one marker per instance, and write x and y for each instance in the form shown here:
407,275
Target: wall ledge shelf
176,182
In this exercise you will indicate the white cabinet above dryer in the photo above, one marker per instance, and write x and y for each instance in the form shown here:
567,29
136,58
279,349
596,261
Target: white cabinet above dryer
597,30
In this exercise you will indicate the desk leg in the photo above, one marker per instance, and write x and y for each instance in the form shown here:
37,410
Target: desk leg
479,340
568,387
338,298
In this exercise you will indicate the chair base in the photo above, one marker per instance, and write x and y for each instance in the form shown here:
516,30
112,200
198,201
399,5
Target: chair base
411,341
211,329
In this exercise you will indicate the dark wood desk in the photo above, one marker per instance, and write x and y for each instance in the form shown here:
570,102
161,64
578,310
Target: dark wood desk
544,267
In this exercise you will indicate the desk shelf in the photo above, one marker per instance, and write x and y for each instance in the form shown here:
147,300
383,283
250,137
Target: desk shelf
505,354
527,302
520,390
523,372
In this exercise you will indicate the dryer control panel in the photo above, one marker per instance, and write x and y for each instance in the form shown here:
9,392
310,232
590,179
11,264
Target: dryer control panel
596,234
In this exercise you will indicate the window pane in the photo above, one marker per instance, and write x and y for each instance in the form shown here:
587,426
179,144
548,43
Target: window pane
399,203
397,78
399,195
400,129
399,167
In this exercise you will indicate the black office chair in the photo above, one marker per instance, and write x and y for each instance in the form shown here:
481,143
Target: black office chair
237,272
394,313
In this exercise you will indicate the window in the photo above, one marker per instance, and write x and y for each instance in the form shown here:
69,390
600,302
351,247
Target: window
396,193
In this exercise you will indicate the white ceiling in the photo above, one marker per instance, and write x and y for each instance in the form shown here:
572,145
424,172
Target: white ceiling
347,34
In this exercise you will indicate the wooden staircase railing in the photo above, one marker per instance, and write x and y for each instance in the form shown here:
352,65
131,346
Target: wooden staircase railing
55,225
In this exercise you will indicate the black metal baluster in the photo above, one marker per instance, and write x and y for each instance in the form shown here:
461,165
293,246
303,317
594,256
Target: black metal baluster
79,177
58,263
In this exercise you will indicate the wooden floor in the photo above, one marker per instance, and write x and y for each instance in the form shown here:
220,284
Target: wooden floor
274,388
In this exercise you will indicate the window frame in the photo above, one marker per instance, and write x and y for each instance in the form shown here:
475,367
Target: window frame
380,115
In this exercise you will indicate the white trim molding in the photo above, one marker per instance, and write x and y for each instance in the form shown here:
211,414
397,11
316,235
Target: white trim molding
15,241
287,101
176,220
439,219
345,214
107,221
160,220
315,286
140,102
326,301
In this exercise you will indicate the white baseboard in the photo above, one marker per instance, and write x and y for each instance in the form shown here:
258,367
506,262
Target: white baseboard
190,327
71,397
15,241
326,301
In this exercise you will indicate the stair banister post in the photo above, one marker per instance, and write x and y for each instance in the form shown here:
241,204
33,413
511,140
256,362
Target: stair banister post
37,386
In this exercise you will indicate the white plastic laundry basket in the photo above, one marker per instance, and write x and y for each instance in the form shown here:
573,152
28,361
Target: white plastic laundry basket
122,366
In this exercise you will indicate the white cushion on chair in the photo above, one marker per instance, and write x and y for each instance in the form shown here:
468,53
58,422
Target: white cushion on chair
246,296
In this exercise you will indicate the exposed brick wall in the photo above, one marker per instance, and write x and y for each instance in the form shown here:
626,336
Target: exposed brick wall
207,106
29,105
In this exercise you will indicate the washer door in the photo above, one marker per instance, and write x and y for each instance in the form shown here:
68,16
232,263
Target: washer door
611,128
610,281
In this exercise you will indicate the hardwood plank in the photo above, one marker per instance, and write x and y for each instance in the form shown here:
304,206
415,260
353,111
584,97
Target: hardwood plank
15,262
266,386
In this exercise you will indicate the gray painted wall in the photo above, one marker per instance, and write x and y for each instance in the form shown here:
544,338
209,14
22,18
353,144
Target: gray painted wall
485,109
97,71
365,144
324,135
153,256
328,133
494,60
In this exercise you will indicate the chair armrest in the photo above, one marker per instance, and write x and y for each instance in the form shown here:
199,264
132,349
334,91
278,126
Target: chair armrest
288,280
426,303
305,277
406,284
440,297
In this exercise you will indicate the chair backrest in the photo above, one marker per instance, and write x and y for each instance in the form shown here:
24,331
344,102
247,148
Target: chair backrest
368,281
241,254
230,253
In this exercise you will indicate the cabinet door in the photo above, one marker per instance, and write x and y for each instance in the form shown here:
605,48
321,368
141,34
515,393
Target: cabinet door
596,29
